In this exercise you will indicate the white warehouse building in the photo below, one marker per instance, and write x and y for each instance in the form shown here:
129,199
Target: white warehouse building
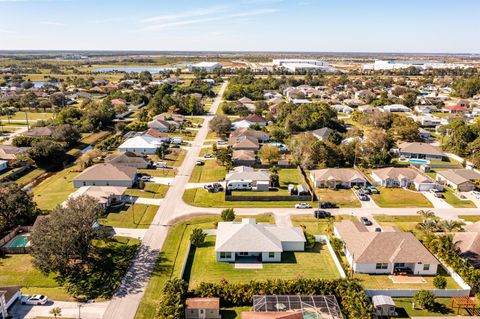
205,66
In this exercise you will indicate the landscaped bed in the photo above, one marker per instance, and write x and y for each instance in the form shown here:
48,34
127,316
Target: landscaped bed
341,197
399,197
203,267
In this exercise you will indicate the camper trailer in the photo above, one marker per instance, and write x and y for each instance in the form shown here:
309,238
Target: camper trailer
237,185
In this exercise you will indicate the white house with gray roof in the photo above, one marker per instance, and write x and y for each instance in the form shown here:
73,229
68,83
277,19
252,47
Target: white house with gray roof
247,239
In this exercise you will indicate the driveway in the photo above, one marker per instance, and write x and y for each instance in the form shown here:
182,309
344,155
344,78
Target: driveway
162,180
368,203
148,201
69,310
137,233
437,202
469,195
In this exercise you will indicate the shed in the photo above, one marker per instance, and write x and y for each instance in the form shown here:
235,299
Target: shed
383,305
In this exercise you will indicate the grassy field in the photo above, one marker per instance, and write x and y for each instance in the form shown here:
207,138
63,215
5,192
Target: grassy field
203,267
470,218
456,202
318,226
342,197
167,172
174,158
151,190
124,218
32,116
201,198
210,172
405,223
30,176
399,197
55,189
404,308
383,282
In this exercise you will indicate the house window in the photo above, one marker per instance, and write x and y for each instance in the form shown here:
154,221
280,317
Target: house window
225,254
271,255
381,266
426,267
399,265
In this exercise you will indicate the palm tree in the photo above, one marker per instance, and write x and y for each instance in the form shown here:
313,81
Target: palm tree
427,214
57,311
452,225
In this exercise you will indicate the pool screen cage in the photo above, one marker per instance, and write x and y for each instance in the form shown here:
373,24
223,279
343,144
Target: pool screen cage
312,307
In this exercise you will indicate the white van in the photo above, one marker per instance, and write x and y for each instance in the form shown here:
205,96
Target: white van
239,185
160,165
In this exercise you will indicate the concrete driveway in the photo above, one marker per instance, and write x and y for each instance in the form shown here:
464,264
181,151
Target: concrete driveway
437,202
69,310
469,196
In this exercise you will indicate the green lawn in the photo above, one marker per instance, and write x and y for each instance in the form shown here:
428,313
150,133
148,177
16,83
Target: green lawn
383,282
201,198
18,270
151,190
210,172
186,135
318,226
405,223
30,176
456,202
203,267
31,116
470,218
124,218
174,158
234,312
399,197
161,172
341,197
55,189
404,308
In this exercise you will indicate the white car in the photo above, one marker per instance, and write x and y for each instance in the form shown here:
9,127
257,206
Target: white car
145,178
476,194
34,300
160,165
302,205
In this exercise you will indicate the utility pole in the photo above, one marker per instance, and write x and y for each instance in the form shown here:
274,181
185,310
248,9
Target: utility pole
133,209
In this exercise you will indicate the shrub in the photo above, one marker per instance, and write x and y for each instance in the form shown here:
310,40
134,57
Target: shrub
228,215
310,243
425,299
440,282
197,238
172,303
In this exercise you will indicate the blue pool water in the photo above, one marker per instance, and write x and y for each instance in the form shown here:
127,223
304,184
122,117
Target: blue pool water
417,160
19,241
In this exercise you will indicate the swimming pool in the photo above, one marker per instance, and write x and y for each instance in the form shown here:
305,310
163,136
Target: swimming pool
19,241
418,161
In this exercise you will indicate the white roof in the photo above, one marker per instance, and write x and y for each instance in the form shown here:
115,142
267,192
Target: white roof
248,236
143,141
206,64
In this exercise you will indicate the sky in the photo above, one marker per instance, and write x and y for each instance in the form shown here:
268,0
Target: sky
417,26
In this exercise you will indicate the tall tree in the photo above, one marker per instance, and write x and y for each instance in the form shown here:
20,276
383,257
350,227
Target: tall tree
16,207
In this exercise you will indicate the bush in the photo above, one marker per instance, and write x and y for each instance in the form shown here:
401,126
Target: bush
172,303
310,243
197,238
425,299
228,215
440,282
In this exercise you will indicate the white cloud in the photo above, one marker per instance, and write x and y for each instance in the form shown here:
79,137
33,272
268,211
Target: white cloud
189,14
60,24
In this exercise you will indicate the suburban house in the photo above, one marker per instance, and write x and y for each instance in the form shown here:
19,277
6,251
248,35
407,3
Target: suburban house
402,177
468,243
322,134
105,195
106,175
263,242
368,109
455,109
243,158
3,165
427,121
462,180
247,103
256,119
162,136
160,125
246,178
10,152
395,108
8,296
419,150
241,124
259,135
143,144
43,131
202,308
174,117
129,159
337,178
383,252
248,143
341,108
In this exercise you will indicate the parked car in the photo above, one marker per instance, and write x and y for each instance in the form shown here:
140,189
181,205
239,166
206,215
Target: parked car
208,155
363,197
145,178
476,194
321,214
160,165
34,300
378,230
199,163
366,221
328,205
436,193
302,205
373,190
221,142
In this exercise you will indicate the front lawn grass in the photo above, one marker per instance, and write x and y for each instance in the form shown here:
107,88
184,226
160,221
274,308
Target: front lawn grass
160,172
383,282
323,226
174,158
399,197
341,197
470,218
211,171
203,267
30,176
32,116
442,308
124,217
55,189
151,190
456,202
201,198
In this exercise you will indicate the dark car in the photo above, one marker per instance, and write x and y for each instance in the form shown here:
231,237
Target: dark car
321,214
366,221
328,205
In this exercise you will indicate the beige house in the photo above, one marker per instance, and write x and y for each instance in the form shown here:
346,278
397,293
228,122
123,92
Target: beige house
105,195
337,178
202,308
129,159
10,152
383,252
243,158
468,243
106,175
462,180
420,151
402,177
